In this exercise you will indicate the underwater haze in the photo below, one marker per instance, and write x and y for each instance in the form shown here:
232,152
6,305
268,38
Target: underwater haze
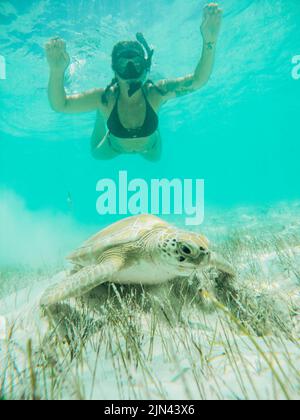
240,133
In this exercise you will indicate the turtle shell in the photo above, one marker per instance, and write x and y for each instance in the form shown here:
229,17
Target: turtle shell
123,232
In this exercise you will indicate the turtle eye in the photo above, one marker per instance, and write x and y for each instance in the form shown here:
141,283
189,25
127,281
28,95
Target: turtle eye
186,250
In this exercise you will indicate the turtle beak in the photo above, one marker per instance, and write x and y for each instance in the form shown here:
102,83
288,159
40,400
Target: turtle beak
204,257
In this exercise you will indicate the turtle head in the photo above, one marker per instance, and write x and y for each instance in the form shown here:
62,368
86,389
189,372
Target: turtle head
186,251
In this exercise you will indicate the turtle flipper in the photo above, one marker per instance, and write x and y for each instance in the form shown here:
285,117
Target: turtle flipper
83,281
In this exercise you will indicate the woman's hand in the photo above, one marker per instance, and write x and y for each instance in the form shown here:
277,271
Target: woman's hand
211,23
57,56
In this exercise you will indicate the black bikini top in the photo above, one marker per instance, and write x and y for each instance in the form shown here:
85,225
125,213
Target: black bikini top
118,130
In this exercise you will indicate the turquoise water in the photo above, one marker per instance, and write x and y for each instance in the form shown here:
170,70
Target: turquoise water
240,133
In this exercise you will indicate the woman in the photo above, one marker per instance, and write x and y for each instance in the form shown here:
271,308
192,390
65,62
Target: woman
129,105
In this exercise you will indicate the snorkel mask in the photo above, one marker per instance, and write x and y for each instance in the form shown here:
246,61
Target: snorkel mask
131,64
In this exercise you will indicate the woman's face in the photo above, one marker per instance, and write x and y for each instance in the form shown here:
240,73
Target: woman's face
130,65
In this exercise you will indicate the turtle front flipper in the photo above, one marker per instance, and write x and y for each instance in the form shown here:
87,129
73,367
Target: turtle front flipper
83,281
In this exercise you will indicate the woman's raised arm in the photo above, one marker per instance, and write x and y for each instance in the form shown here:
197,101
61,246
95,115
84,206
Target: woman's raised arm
59,60
210,29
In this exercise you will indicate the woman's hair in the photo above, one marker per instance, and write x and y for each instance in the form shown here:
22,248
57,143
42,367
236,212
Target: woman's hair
117,50
125,46
104,98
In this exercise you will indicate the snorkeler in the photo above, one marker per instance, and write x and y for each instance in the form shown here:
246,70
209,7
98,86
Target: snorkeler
128,107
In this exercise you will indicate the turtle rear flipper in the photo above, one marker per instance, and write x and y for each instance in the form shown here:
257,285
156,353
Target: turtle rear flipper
83,281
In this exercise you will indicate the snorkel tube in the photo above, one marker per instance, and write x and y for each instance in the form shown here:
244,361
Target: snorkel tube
141,39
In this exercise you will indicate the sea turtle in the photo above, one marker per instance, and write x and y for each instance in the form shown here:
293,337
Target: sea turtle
137,250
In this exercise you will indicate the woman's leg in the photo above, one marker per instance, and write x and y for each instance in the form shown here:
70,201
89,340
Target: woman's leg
154,154
100,145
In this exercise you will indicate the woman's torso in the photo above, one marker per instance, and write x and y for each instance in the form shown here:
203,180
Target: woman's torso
140,115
